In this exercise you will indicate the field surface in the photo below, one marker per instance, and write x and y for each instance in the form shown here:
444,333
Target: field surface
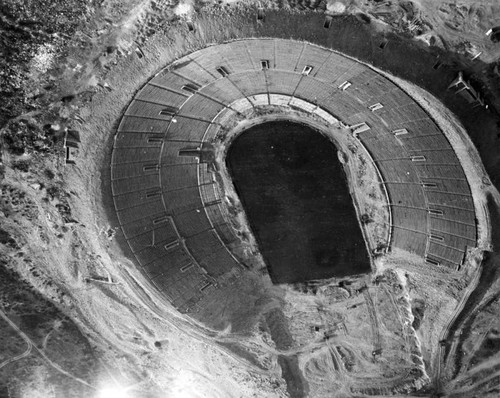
295,194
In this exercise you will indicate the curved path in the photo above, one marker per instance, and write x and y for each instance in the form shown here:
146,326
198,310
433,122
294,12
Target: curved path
165,194
18,357
31,345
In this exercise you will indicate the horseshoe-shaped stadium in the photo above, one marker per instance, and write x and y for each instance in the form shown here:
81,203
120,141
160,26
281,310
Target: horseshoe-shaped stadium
169,207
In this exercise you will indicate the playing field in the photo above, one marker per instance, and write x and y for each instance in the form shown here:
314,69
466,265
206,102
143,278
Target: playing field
295,195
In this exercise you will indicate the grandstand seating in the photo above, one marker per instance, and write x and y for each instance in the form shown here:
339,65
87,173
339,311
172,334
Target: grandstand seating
237,56
280,82
182,200
179,176
250,83
261,50
160,235
201,107
138,139
141,155
156,94
186,129
190,70
192,222
222,90
140,124
134,184
164,194
172,149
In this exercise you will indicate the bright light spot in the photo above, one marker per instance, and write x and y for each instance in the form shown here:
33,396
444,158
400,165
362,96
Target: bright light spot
184,385
184,8
335,7
113,392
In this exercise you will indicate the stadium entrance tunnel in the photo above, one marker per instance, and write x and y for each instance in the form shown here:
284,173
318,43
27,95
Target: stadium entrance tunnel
295,195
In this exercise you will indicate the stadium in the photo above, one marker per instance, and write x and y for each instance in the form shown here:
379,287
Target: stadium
185,107
173,194
260,201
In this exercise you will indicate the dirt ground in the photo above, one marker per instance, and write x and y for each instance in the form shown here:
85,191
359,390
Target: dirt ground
90,318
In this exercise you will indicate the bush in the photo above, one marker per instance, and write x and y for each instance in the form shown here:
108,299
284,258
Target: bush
366,219
7,240
55,192
17,137
21,165
49,174
22,136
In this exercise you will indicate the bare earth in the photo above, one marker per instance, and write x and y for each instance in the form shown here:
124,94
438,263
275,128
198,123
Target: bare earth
98,321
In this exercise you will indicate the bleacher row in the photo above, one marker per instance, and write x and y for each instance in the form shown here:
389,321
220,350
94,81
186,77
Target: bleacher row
160,186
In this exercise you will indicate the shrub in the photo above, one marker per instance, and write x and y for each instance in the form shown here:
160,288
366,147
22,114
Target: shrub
49,174
21,165
55,192
366,219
